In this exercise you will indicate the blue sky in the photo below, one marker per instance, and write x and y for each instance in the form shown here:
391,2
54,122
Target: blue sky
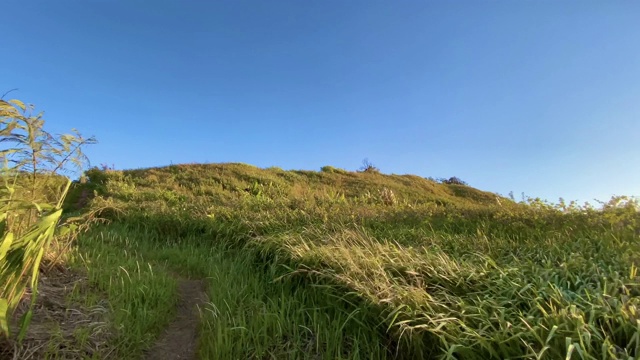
540,97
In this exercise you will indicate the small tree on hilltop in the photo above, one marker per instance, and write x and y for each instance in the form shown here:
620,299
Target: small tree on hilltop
368,167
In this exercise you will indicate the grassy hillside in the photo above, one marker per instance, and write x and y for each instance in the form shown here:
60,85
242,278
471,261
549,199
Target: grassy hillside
337,264
224,183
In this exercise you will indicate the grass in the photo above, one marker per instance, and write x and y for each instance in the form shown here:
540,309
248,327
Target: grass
141,295
337,264
250,314
32,192
260,315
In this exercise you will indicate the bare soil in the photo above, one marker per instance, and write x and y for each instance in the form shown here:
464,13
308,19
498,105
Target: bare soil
56,323
180,338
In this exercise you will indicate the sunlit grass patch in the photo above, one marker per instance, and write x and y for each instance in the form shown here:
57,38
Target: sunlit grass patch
141,296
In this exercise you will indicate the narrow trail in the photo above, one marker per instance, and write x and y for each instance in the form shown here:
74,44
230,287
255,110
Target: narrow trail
180,339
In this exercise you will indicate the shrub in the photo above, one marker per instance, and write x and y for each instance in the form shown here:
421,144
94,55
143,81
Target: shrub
331,169
97,176
453,181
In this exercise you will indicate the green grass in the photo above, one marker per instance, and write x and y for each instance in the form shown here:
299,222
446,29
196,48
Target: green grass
260,315
373,265
252,312
141,295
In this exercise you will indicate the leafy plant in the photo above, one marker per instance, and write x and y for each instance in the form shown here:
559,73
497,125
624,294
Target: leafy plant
34,188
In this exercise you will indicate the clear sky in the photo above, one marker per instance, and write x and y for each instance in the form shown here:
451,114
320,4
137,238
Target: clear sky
540,97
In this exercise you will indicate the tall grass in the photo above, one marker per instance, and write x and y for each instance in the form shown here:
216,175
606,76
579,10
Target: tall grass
141,295
447,271
251,312
31,198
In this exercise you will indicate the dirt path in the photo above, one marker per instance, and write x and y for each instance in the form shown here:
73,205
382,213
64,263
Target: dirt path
180,338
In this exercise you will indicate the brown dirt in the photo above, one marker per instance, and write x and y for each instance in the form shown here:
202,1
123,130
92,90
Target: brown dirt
180,338
56,323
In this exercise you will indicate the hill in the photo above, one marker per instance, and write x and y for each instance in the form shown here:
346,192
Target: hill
224,182
408,268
